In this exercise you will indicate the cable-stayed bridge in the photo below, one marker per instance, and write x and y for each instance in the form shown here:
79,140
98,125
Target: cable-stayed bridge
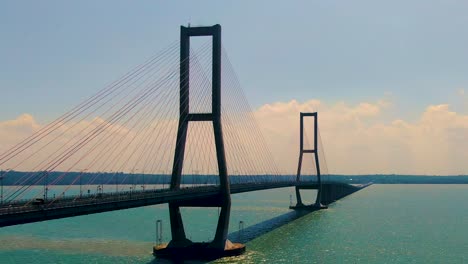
181,122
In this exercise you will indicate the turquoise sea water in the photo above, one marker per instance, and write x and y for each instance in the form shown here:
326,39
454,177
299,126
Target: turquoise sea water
380,224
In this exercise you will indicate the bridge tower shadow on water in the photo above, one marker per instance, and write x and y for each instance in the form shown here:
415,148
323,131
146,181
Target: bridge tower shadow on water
179,245
318,201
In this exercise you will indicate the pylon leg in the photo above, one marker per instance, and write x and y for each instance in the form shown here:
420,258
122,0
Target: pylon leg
177,228
298,197
220,240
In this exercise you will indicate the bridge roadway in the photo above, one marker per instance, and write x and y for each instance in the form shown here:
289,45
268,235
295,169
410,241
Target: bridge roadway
26,212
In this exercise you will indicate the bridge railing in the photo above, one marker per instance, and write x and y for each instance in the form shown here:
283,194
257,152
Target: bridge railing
21,206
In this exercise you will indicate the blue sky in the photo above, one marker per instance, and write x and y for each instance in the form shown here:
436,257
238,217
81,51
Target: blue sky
389,78
56,53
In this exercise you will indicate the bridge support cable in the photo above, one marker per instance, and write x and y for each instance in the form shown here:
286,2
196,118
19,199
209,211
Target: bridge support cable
253,161
233,152
198,144
91,111
142,132
324,172
144,142
89,137
161,148
143,135
202,147
70,151
97,143
323,159
80,108
198,96
263,153
117,90
241,114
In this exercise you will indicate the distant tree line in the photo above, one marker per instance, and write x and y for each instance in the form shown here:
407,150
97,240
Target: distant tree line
77,178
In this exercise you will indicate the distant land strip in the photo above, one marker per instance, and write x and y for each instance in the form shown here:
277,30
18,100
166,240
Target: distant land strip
109,178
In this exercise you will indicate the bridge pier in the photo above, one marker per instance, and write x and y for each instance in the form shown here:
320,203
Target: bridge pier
180,246
220,240
318,205
179,238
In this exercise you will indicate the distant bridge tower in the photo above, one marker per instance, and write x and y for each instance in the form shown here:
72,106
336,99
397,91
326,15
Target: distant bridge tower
223,198
302,151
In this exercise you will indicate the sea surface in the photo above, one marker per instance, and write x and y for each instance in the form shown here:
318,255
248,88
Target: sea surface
380,224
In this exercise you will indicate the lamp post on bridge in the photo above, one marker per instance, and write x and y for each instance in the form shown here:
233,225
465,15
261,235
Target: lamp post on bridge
99,190
81,184
163,174
116,175
81,192
46,189
133,179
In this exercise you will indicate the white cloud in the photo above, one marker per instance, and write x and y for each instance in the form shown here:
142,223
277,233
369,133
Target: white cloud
117,144
12,131
356,139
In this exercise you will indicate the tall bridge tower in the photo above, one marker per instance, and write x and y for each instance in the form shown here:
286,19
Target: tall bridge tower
223,198
302,151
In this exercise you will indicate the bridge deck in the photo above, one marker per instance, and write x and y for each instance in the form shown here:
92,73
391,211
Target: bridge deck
26,212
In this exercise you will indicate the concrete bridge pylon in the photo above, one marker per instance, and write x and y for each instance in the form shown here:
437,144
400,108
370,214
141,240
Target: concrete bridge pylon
220,245
318,201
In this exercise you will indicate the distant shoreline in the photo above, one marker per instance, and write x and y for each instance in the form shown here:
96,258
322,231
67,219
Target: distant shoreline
75,178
